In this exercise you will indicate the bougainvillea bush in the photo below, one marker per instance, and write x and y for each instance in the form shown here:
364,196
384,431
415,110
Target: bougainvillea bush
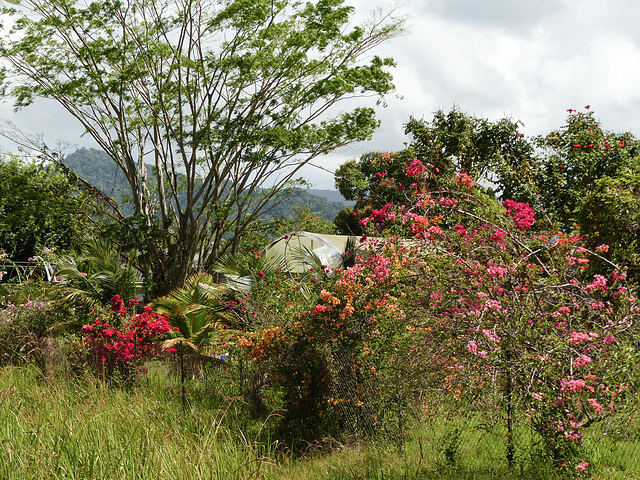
458,299
119,339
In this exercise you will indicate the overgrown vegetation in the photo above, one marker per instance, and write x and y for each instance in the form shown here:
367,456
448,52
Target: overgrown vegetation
469,336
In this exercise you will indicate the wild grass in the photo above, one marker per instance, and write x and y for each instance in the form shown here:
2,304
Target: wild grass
84,430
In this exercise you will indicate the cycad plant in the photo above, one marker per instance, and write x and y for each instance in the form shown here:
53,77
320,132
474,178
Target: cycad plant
241,272
204,306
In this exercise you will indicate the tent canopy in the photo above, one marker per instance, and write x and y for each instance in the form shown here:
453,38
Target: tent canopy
295,247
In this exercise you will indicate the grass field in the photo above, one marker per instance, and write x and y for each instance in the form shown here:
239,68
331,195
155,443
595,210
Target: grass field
82,430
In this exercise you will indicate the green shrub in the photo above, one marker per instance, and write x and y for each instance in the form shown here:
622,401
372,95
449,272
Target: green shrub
24,333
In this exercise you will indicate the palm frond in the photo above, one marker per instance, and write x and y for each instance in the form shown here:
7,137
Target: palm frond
242,272
197,309
97,273
174,342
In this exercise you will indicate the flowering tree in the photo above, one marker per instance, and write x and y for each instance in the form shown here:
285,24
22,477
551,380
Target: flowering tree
557,338
453,142
610,214
573,158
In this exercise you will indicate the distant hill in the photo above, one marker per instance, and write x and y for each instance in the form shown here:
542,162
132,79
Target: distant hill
331,195
318,205
96,167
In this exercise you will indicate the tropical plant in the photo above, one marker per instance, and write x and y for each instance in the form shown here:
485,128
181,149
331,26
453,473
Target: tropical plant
197,310
610,214
96,273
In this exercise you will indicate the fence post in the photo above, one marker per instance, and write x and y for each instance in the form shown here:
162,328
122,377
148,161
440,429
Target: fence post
509,395
135,360
184,397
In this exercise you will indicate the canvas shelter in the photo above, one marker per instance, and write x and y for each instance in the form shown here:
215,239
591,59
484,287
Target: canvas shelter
295,247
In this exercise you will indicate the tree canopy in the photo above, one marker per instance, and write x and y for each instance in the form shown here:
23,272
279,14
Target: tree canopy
221,97
579,177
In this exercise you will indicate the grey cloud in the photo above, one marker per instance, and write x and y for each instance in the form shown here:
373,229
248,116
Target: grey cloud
510,15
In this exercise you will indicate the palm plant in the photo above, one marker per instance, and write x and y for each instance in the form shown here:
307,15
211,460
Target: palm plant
197,309
242,272
202,308
96,274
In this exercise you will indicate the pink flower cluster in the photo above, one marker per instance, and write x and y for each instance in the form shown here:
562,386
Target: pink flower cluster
572,385
599,282
582,361
521,212
414,168
579,337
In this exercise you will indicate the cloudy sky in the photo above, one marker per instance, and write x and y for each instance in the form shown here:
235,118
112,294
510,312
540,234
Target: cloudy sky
529,60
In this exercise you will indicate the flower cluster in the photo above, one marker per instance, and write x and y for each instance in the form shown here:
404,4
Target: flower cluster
119,336
522,214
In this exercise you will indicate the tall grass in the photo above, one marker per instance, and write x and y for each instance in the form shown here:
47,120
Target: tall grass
83,430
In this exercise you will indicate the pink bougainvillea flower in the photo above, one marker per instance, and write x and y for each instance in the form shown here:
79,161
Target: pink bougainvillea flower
582,467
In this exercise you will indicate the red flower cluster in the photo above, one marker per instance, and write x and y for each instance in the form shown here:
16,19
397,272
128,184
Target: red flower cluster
139,337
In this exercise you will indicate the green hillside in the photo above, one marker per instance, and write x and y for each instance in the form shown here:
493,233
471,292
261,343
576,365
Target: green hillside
96,167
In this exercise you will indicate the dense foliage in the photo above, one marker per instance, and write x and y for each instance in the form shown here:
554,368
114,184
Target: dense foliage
579,174
226,100
471,294
460,299
40,207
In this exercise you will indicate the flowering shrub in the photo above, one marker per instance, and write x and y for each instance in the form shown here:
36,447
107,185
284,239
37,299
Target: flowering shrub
117,337
472,297
531,318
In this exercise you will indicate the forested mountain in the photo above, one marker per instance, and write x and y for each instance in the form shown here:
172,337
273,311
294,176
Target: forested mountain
331,195
97,168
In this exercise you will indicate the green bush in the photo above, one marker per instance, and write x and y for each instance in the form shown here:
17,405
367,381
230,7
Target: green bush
24,333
